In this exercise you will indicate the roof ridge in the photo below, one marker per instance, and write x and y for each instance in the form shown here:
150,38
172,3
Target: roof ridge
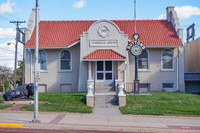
98,20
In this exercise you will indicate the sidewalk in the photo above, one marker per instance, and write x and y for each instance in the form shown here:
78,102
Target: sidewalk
108,119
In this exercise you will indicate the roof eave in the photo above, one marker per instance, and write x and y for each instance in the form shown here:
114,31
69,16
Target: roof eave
163,46
104,59
57,47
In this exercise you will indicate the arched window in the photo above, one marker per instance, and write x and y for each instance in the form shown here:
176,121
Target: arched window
143,60
65,60
43,60
167,59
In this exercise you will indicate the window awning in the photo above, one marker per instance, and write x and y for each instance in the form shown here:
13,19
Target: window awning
192,76
104,54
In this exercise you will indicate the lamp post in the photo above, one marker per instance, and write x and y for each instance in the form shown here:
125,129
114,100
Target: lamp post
15,64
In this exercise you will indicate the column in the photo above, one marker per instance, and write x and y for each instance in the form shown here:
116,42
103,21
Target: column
118,69
89,70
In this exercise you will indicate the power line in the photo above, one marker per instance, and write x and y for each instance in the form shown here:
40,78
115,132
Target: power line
4,18
10,14
7,49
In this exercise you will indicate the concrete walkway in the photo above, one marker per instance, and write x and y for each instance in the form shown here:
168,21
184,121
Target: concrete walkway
107,119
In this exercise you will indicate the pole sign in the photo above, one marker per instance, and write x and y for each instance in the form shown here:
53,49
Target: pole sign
135,46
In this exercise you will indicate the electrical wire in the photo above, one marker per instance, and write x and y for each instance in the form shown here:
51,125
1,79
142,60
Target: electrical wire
11,14
4,18
7,49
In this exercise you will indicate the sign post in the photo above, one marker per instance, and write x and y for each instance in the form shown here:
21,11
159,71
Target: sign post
136,47
37,67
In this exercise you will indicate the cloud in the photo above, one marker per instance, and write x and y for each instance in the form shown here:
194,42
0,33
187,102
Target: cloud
7,53
183,12
7,7
7,33
162,16
79,4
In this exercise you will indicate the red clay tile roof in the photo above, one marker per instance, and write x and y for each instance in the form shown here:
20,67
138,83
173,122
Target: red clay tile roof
65,33
104,54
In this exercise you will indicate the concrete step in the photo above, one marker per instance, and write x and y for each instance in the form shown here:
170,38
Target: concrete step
104,87
106,101
104,83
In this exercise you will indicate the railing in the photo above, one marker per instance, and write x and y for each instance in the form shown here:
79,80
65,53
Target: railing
129,87
143,87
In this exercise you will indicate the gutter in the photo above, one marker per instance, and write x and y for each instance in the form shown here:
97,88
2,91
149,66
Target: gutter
177,87
59,47
31,58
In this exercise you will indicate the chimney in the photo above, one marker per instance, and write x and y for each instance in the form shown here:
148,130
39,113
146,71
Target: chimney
31,25
173,18
169,9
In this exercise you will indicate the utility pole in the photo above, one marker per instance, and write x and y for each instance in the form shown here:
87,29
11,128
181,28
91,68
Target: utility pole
16,46
37,66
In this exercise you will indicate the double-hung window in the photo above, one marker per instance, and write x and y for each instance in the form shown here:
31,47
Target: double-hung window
65,60
43,60
143,61
167,59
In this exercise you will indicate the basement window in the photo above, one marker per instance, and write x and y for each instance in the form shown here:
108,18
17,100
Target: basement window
168,87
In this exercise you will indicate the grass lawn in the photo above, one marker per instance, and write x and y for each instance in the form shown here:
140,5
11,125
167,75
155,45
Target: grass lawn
162,103
62,102
4,106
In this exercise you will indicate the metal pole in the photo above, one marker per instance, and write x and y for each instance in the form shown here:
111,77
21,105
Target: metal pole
36,67
136,81
16,45
136,68
23,69
135,14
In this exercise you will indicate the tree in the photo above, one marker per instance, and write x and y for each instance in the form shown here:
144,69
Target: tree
5,73
19,73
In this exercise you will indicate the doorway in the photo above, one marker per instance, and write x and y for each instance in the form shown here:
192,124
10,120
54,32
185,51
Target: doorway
104,71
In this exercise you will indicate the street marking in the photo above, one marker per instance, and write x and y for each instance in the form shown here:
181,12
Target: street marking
57,119
11,125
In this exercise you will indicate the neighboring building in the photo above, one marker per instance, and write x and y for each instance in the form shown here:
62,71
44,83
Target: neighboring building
73,53
192,67
192,56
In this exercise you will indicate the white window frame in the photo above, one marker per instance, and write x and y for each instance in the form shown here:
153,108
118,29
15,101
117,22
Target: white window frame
104,72
171,69
147,62
46,60
60,61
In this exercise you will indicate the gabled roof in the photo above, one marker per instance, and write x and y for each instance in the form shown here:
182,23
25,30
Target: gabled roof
104,54
66,33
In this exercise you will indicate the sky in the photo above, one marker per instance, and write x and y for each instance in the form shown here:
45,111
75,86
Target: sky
12,10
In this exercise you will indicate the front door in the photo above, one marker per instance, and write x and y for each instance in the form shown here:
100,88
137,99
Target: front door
104,71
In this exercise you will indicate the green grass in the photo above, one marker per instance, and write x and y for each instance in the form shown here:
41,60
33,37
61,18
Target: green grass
4,106
62,102
163,103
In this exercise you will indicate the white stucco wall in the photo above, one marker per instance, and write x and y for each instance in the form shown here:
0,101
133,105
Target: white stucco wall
53,78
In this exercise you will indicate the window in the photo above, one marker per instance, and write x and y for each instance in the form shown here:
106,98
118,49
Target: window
65,60
168,87
43,60
167,59
144,87
143,60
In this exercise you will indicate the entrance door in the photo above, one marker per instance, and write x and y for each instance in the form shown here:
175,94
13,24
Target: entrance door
104,71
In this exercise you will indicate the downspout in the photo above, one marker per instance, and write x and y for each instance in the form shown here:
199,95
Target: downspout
177,65
31,57
125,75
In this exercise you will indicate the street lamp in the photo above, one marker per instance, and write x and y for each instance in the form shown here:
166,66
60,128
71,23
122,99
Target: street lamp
15,69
